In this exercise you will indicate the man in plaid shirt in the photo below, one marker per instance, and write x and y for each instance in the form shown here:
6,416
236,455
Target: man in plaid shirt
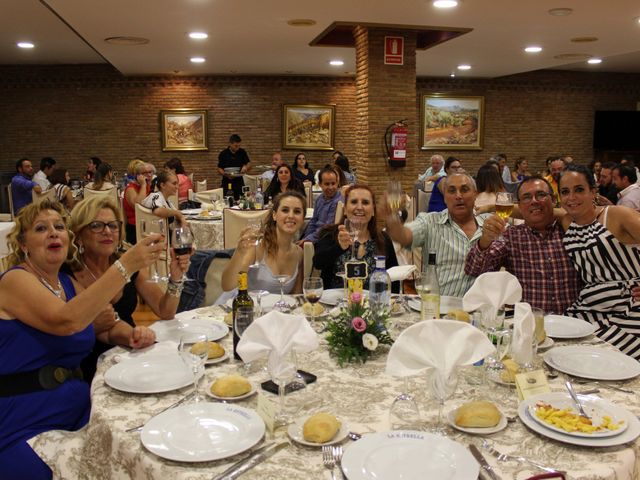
533,251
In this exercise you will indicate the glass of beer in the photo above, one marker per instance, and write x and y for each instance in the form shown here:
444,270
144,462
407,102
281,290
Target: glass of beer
504,206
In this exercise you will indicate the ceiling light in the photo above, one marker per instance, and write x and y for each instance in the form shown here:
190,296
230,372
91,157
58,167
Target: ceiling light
445,3
452,75
560,12
198,35
336,63
533,49
25,44
464,67
594,61
197,60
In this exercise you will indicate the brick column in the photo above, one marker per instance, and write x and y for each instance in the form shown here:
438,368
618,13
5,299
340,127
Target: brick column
384,95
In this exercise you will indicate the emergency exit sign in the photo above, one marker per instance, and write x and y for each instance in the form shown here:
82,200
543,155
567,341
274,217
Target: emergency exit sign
393,50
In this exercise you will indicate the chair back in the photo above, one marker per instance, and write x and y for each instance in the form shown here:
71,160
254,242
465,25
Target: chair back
251,181
111,193
423,202
143,215
308,193
339,212
10,194
309,251
206,196
234,221
173,200
213,280
48,194
201,186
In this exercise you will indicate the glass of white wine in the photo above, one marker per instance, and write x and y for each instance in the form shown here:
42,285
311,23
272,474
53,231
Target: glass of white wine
504,207
394,196
256,228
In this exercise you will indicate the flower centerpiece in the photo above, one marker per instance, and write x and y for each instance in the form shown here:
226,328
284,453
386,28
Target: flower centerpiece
355,333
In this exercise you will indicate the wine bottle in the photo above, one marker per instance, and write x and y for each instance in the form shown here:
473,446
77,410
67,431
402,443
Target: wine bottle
429,290
241,322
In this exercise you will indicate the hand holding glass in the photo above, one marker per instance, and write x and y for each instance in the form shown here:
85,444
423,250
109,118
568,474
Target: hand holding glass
182,244
504,206
150,227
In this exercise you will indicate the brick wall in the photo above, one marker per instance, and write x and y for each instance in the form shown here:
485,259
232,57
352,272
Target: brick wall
73,112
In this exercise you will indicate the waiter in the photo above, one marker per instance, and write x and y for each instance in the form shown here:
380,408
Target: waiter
233,156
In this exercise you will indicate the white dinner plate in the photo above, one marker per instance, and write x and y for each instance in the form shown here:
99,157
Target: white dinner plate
202,432
333,296
409,455
230,399
149,374
548,343
560,326
502,424
446,303
596,363
173,329
594,409
629,435
295,432
213,361
191,211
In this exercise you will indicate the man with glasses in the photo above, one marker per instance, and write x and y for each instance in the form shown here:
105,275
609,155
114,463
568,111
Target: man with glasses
532,251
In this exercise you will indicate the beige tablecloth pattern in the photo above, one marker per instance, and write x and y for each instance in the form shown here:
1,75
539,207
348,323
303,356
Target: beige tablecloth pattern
360,394
208,234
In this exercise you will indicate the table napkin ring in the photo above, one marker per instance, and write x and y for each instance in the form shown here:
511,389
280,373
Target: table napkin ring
51,377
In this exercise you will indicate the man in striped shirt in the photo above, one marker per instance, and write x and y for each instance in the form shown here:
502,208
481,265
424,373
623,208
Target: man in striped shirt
450,233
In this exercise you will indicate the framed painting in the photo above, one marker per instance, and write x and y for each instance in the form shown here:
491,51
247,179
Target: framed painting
451,122
184,130
308,127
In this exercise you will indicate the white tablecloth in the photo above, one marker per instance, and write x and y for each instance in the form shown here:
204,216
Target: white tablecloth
208,234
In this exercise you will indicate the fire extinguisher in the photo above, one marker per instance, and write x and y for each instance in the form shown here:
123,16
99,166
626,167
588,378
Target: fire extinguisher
395,142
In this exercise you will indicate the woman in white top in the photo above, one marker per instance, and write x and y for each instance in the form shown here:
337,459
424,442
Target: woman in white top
102,178
158,202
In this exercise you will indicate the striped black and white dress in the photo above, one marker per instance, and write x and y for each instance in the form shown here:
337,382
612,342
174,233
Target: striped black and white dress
609,269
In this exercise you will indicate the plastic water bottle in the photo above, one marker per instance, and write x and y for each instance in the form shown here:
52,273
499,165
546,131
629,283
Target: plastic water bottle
380,289
259,198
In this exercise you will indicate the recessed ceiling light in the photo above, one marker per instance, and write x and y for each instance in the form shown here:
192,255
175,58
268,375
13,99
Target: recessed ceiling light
198,35
301,22
452,75
336,63
464,67
560,12
533,49
637,19
445,3
25,44
594,61
197,60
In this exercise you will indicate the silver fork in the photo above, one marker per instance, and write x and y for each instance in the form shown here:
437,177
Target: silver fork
328,460
337,456
503,457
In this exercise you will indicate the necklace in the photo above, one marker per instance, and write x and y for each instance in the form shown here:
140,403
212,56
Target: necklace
56,291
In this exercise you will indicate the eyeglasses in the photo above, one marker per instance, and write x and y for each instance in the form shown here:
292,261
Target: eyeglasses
98,226
539,196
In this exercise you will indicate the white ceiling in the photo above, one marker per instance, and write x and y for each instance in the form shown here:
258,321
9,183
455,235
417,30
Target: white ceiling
252,36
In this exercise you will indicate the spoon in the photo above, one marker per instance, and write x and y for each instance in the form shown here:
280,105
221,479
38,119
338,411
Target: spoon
355,436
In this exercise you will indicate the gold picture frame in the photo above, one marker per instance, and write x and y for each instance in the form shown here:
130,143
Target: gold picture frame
184,129
308,127
451,122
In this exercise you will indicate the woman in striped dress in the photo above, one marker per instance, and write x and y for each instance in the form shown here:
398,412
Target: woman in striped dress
603,243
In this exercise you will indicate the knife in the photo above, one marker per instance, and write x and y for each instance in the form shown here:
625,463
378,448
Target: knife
251,461
483,462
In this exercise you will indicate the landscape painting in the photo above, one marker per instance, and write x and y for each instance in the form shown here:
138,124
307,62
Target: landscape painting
308,127
452,122
184,129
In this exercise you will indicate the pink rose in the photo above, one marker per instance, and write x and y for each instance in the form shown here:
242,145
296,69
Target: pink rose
356,297
358,324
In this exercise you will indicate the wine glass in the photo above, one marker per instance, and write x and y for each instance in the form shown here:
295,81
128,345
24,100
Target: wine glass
281,305
394,196
182,244
283,370
442,387
404,413
256,228
342,274
194,357
312,288
504,207
353,228
149,227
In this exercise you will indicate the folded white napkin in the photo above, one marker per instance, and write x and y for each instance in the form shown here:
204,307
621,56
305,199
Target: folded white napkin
491,291
439,344
524,325
401,272
274,335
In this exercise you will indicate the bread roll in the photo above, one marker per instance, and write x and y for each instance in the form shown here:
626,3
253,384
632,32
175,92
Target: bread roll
480,414
320,428
311,309
460,315
508,375
214,349
230,386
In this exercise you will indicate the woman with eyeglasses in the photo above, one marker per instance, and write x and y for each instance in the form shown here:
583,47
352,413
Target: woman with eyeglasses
97,226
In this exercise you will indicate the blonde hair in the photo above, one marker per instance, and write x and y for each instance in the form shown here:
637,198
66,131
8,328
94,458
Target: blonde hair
25,220
132,168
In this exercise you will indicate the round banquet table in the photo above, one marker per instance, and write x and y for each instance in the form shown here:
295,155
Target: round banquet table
359,393
207,234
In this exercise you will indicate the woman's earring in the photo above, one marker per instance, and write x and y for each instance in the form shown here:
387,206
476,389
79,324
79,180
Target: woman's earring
81,249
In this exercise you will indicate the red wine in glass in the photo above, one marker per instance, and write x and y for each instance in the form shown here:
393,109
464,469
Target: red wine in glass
182,249
312,298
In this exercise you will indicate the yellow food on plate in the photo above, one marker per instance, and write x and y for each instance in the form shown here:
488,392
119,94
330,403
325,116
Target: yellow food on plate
570,421
508,375
480,414
320,428
310,309
214,349
459,315
230,386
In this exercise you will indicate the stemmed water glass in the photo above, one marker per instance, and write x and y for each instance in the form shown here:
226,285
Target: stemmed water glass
150,227
194,358
281,305
312,288
442,387
404,413
256,228
394,196
182,244
284,373
353,228
342,274
493,325
504,206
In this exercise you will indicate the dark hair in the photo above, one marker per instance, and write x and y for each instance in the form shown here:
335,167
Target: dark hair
553,158
59,175
270,237
275,188
609,165
533,178
235,138
629,159
343,163
493,163
163,177
328,169
519,161
337,152
102,171
20,162
489,180
582,170
448,162
95,160
373,224
175,164
295,161
627,171
47,162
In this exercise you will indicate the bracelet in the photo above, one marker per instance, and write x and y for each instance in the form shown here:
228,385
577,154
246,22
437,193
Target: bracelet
174,289
123,271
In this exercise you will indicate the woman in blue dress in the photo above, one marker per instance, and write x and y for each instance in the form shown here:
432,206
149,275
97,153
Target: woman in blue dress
45,331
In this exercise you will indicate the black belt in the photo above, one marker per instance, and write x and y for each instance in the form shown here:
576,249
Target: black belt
48,377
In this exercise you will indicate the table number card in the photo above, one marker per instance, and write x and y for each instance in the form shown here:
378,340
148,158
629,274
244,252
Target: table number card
267,411
532,383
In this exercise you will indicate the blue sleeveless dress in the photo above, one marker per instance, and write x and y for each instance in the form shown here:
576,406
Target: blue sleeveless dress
24,348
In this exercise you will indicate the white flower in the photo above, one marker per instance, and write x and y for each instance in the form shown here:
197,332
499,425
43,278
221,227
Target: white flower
369,341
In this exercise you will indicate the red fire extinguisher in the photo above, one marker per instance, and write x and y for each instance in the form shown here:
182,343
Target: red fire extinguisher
395,140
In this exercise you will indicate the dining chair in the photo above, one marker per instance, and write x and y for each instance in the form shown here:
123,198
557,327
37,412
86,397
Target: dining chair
110,192
233,221
308,250
423,201
251,181
47,194
339,212
173,200
206,196
308,193
10,195
201,186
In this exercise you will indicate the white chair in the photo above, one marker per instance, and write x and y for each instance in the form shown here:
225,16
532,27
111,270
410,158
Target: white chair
48,194
213,279
111,193
10,195
201,186
207,196
233,221
339,212
423,202
251,181
309,251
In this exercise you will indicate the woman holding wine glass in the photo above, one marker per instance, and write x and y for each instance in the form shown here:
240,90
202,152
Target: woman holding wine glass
97,225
